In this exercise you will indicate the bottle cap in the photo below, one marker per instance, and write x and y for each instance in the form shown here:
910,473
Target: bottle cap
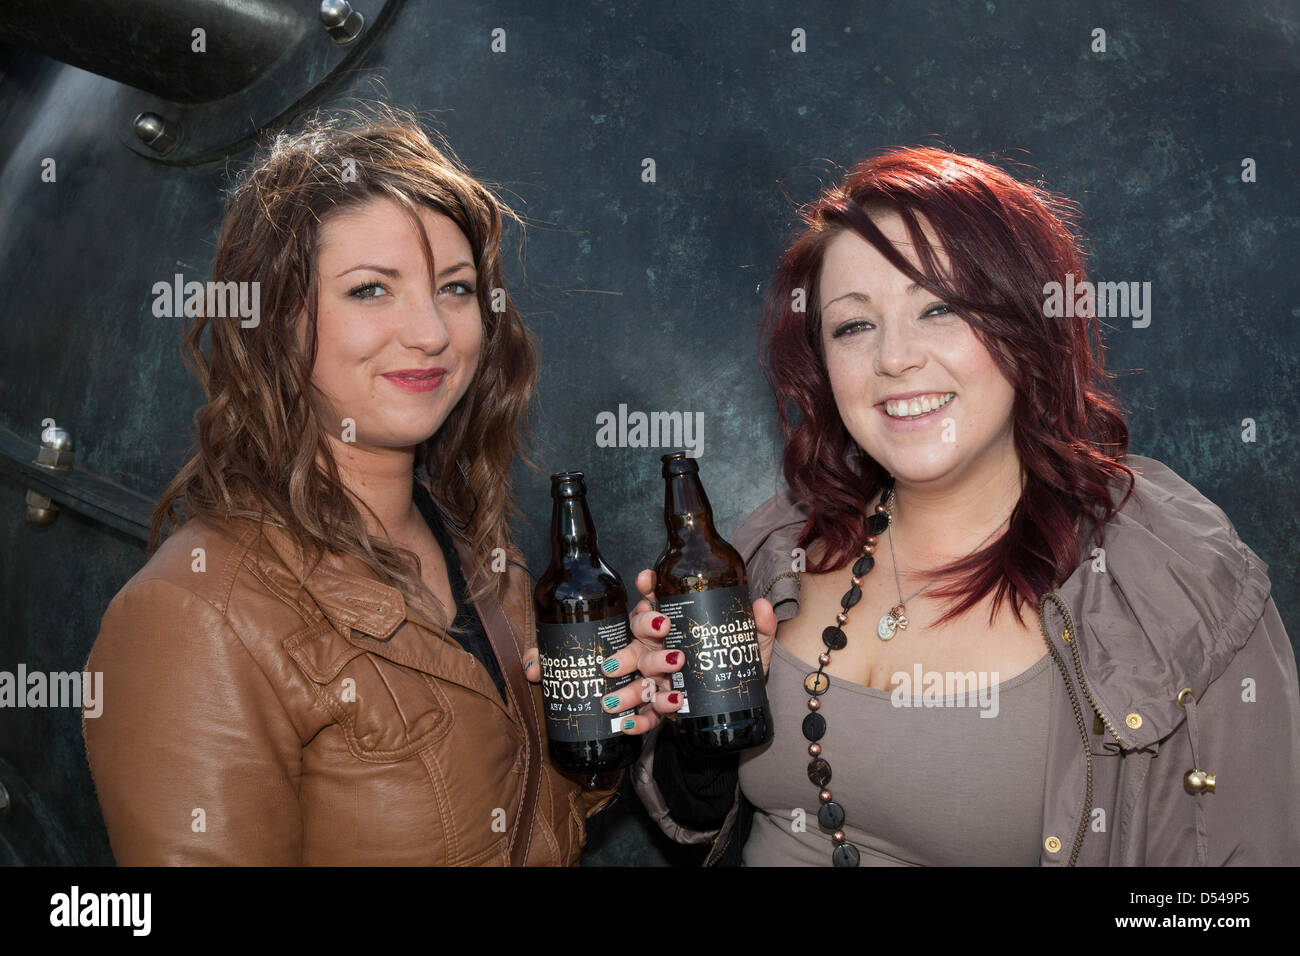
568,484
677,463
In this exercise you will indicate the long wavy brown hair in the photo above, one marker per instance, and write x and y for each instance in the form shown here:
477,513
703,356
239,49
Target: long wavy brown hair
260,452
1005,240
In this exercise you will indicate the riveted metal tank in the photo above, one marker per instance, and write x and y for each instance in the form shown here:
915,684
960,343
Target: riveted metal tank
657,150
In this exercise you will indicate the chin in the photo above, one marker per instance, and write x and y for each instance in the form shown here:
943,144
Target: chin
917,467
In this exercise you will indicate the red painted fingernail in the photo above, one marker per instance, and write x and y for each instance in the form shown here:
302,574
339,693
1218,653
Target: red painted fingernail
657,623
674,697
674,657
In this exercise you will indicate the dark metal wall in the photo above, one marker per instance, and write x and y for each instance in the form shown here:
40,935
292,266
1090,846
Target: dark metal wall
644,294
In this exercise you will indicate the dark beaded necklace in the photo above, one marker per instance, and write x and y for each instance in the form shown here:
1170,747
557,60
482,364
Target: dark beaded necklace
831,814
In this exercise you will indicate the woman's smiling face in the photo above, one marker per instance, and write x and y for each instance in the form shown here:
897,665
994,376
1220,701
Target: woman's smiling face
396,352
885,337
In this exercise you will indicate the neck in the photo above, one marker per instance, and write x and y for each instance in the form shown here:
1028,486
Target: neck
379,479
933,524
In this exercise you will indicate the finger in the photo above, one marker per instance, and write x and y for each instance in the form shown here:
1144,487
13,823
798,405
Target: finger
532,667
622,663
636,693
668,702
649,625
649,715
645,583
765,622
656,663
636,724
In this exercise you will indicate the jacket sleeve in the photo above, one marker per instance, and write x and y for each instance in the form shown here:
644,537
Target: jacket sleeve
194,759
690,798
1245,730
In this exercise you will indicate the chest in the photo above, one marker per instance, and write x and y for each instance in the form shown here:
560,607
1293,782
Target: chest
996,651
433,567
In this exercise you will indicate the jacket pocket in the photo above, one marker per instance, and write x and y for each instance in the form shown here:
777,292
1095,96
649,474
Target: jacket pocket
387,711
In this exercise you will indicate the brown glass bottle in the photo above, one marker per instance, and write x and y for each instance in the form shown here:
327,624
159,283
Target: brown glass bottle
581,620
701,588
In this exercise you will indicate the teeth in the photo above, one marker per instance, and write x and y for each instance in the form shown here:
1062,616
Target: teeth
909,408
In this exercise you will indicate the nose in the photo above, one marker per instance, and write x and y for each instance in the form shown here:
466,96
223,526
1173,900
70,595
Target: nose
424,327
898,346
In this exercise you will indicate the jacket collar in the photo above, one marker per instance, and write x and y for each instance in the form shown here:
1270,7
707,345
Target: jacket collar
369,613
1180,593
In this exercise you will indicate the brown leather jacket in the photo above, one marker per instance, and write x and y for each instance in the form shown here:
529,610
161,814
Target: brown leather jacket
254,717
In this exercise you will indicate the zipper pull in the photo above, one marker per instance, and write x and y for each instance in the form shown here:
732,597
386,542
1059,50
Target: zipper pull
1098,728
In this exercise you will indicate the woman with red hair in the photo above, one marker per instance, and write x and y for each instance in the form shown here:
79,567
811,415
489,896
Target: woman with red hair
994,636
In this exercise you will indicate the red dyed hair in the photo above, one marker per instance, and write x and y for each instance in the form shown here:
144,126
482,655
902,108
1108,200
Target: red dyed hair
1005,240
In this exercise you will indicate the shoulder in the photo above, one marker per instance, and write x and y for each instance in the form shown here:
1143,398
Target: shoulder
210,577
1173,569
1168,521
766,540
201,558
779,513
1167,503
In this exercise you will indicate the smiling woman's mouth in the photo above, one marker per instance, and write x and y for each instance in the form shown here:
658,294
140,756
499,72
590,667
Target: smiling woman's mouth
416,380
909,410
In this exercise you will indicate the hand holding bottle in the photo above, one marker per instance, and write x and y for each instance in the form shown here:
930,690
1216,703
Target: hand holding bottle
652,694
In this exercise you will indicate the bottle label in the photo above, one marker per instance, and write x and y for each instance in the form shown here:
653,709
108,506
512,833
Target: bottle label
573,684
715,629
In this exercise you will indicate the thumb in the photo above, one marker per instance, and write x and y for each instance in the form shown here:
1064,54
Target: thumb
532,665
765,622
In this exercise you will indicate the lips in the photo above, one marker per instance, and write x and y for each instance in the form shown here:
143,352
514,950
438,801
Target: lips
416,379
918,403
928,411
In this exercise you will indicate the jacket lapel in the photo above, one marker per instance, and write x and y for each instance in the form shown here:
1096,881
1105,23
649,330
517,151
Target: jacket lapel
374,617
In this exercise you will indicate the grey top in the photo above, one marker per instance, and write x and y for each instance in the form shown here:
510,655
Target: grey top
931,775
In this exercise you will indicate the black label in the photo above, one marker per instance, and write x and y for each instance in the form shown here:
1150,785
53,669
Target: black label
572,681
723,670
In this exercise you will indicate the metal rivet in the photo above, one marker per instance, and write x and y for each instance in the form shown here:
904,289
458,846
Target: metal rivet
343,23
1052,844
1185,692
1134,721
158,134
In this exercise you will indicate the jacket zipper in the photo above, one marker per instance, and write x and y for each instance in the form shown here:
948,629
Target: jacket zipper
1068,637
716,853
772,583
1078,714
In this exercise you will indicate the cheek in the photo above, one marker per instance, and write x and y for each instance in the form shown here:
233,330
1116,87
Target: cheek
848,384
468,335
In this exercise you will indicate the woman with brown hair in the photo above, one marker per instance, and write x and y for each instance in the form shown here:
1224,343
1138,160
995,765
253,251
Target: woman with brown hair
325,663
999,638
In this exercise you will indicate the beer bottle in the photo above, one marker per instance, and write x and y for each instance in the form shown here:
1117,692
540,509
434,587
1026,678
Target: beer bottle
700,587
581,620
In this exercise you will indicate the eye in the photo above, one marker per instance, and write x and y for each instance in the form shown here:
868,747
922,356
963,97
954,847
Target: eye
850,327
458,288
939,308
360,292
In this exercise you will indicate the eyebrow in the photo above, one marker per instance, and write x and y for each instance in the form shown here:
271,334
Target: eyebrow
864,298
396,273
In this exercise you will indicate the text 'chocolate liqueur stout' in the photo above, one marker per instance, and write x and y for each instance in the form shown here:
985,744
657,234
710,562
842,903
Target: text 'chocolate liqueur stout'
701,588
581,620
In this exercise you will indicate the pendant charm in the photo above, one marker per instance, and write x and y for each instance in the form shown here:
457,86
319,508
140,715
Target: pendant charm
891,622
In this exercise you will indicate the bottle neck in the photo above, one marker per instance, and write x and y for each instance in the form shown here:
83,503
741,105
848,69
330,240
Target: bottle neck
686,508
572,532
